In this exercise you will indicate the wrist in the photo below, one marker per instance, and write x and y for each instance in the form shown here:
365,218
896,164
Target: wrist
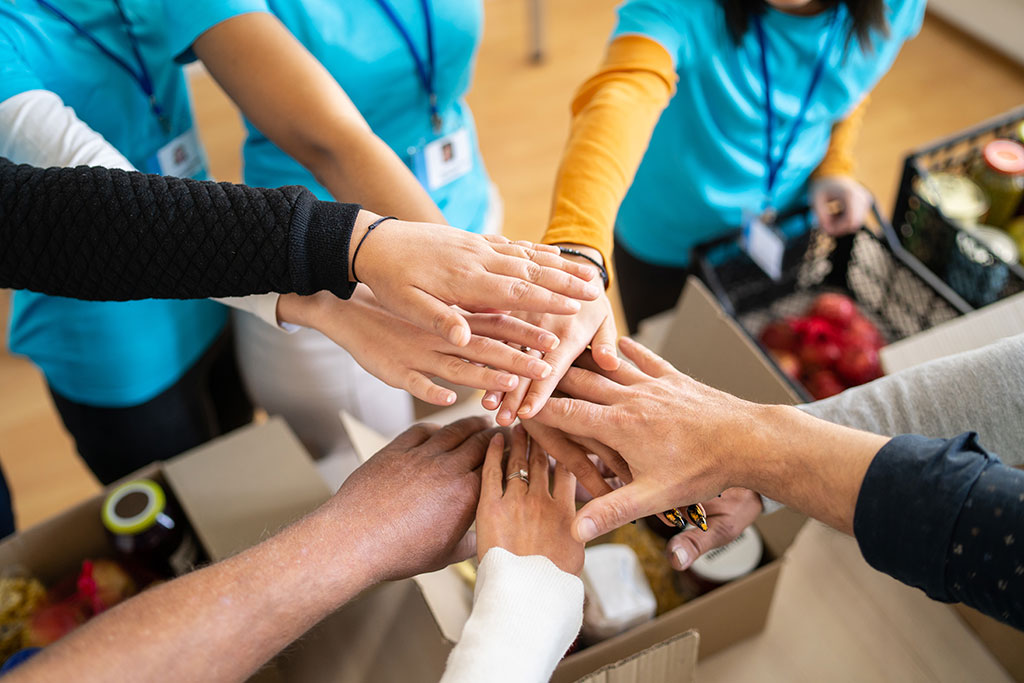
362,250
585,250
305,311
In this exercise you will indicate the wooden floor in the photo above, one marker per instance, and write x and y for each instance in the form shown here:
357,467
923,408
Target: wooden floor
942,82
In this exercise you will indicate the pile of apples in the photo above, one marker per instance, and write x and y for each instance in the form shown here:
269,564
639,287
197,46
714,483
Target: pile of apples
829,349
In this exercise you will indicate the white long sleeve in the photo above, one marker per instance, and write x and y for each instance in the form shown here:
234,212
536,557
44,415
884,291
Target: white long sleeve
526,614
36,128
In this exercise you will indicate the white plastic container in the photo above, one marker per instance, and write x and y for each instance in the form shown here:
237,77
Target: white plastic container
618,595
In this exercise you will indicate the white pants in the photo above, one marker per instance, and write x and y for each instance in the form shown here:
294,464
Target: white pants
307,379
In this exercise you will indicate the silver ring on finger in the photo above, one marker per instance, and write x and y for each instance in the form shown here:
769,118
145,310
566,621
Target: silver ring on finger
521,474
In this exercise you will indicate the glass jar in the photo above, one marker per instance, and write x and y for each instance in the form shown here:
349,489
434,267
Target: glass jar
1000,173
146,527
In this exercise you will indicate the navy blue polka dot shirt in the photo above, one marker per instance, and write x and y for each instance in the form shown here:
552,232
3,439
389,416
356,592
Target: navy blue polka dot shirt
946,516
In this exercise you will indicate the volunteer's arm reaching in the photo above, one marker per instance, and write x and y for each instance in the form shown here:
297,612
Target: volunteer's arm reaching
926,511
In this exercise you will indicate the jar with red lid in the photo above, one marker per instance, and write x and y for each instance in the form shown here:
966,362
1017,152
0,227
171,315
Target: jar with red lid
1000,173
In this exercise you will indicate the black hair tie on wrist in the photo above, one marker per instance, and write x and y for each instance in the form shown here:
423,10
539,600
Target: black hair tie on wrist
363,239
576,252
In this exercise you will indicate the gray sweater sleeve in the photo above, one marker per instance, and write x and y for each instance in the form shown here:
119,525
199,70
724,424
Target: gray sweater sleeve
980,391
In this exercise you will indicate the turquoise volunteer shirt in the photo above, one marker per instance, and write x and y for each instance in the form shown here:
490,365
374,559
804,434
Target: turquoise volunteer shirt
366,54
706,160
103,354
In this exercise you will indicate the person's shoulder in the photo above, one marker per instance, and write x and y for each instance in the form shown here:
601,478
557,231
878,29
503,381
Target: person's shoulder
904,17
683,27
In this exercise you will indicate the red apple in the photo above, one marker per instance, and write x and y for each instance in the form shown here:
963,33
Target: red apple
52,622
838,309
859,365
780,335
788,363
862,332
819,355
824,383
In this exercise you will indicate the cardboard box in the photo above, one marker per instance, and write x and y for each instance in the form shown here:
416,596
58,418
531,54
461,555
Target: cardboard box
235,491
722,617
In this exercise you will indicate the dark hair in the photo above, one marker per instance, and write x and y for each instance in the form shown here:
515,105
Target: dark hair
865,15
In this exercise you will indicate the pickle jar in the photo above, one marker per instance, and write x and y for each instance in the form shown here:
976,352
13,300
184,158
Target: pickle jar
147,528
1000,173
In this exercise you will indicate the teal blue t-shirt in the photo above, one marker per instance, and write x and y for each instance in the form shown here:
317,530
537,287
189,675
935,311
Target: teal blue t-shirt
706,161
365,53
104,354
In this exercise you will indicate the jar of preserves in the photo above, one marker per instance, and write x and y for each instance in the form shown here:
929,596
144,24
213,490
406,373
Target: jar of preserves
147,528
1000,173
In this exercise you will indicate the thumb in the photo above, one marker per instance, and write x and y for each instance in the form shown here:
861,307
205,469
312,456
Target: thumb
686,547
612,510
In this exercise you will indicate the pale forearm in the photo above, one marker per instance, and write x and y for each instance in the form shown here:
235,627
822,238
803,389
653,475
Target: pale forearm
220,623
808,464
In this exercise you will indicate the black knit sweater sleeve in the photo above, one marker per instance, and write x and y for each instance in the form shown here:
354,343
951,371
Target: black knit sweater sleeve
108,235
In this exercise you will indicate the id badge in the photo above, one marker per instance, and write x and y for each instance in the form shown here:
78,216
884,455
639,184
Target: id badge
181,157
764,244
443,160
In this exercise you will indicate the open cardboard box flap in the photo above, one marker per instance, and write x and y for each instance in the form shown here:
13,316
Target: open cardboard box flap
704,342
243,487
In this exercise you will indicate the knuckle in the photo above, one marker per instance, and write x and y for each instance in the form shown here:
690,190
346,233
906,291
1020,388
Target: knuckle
518,290
534,271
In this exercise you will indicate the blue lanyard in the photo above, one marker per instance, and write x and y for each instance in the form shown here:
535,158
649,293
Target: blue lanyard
774,163
425,69
140,76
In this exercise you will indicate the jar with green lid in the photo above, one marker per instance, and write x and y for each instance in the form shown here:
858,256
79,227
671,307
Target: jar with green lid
147,528
1000,173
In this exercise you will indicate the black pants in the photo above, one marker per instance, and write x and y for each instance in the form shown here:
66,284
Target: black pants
646,289
208,400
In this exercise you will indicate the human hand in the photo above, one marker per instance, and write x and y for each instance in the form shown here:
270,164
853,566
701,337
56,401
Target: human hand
682,440
408,357
728,515
594,325
414,500
420,270
527,518
577,454
842,192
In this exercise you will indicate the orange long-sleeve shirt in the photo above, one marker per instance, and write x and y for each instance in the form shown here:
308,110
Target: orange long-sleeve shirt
614,114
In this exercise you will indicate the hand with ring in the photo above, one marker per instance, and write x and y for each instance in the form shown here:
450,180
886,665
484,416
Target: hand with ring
523,508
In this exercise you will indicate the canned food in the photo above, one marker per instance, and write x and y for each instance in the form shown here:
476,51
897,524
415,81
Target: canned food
977,266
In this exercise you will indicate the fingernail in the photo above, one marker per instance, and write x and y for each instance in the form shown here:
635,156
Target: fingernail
682,557
550,342
505,415
526,409
586,529
510,381
539,367
449,398
593,290
575,305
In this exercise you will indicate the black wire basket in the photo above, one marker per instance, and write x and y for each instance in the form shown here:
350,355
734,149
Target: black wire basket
892,289
931,236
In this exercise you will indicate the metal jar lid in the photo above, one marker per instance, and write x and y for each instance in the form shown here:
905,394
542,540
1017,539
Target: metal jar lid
732,560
